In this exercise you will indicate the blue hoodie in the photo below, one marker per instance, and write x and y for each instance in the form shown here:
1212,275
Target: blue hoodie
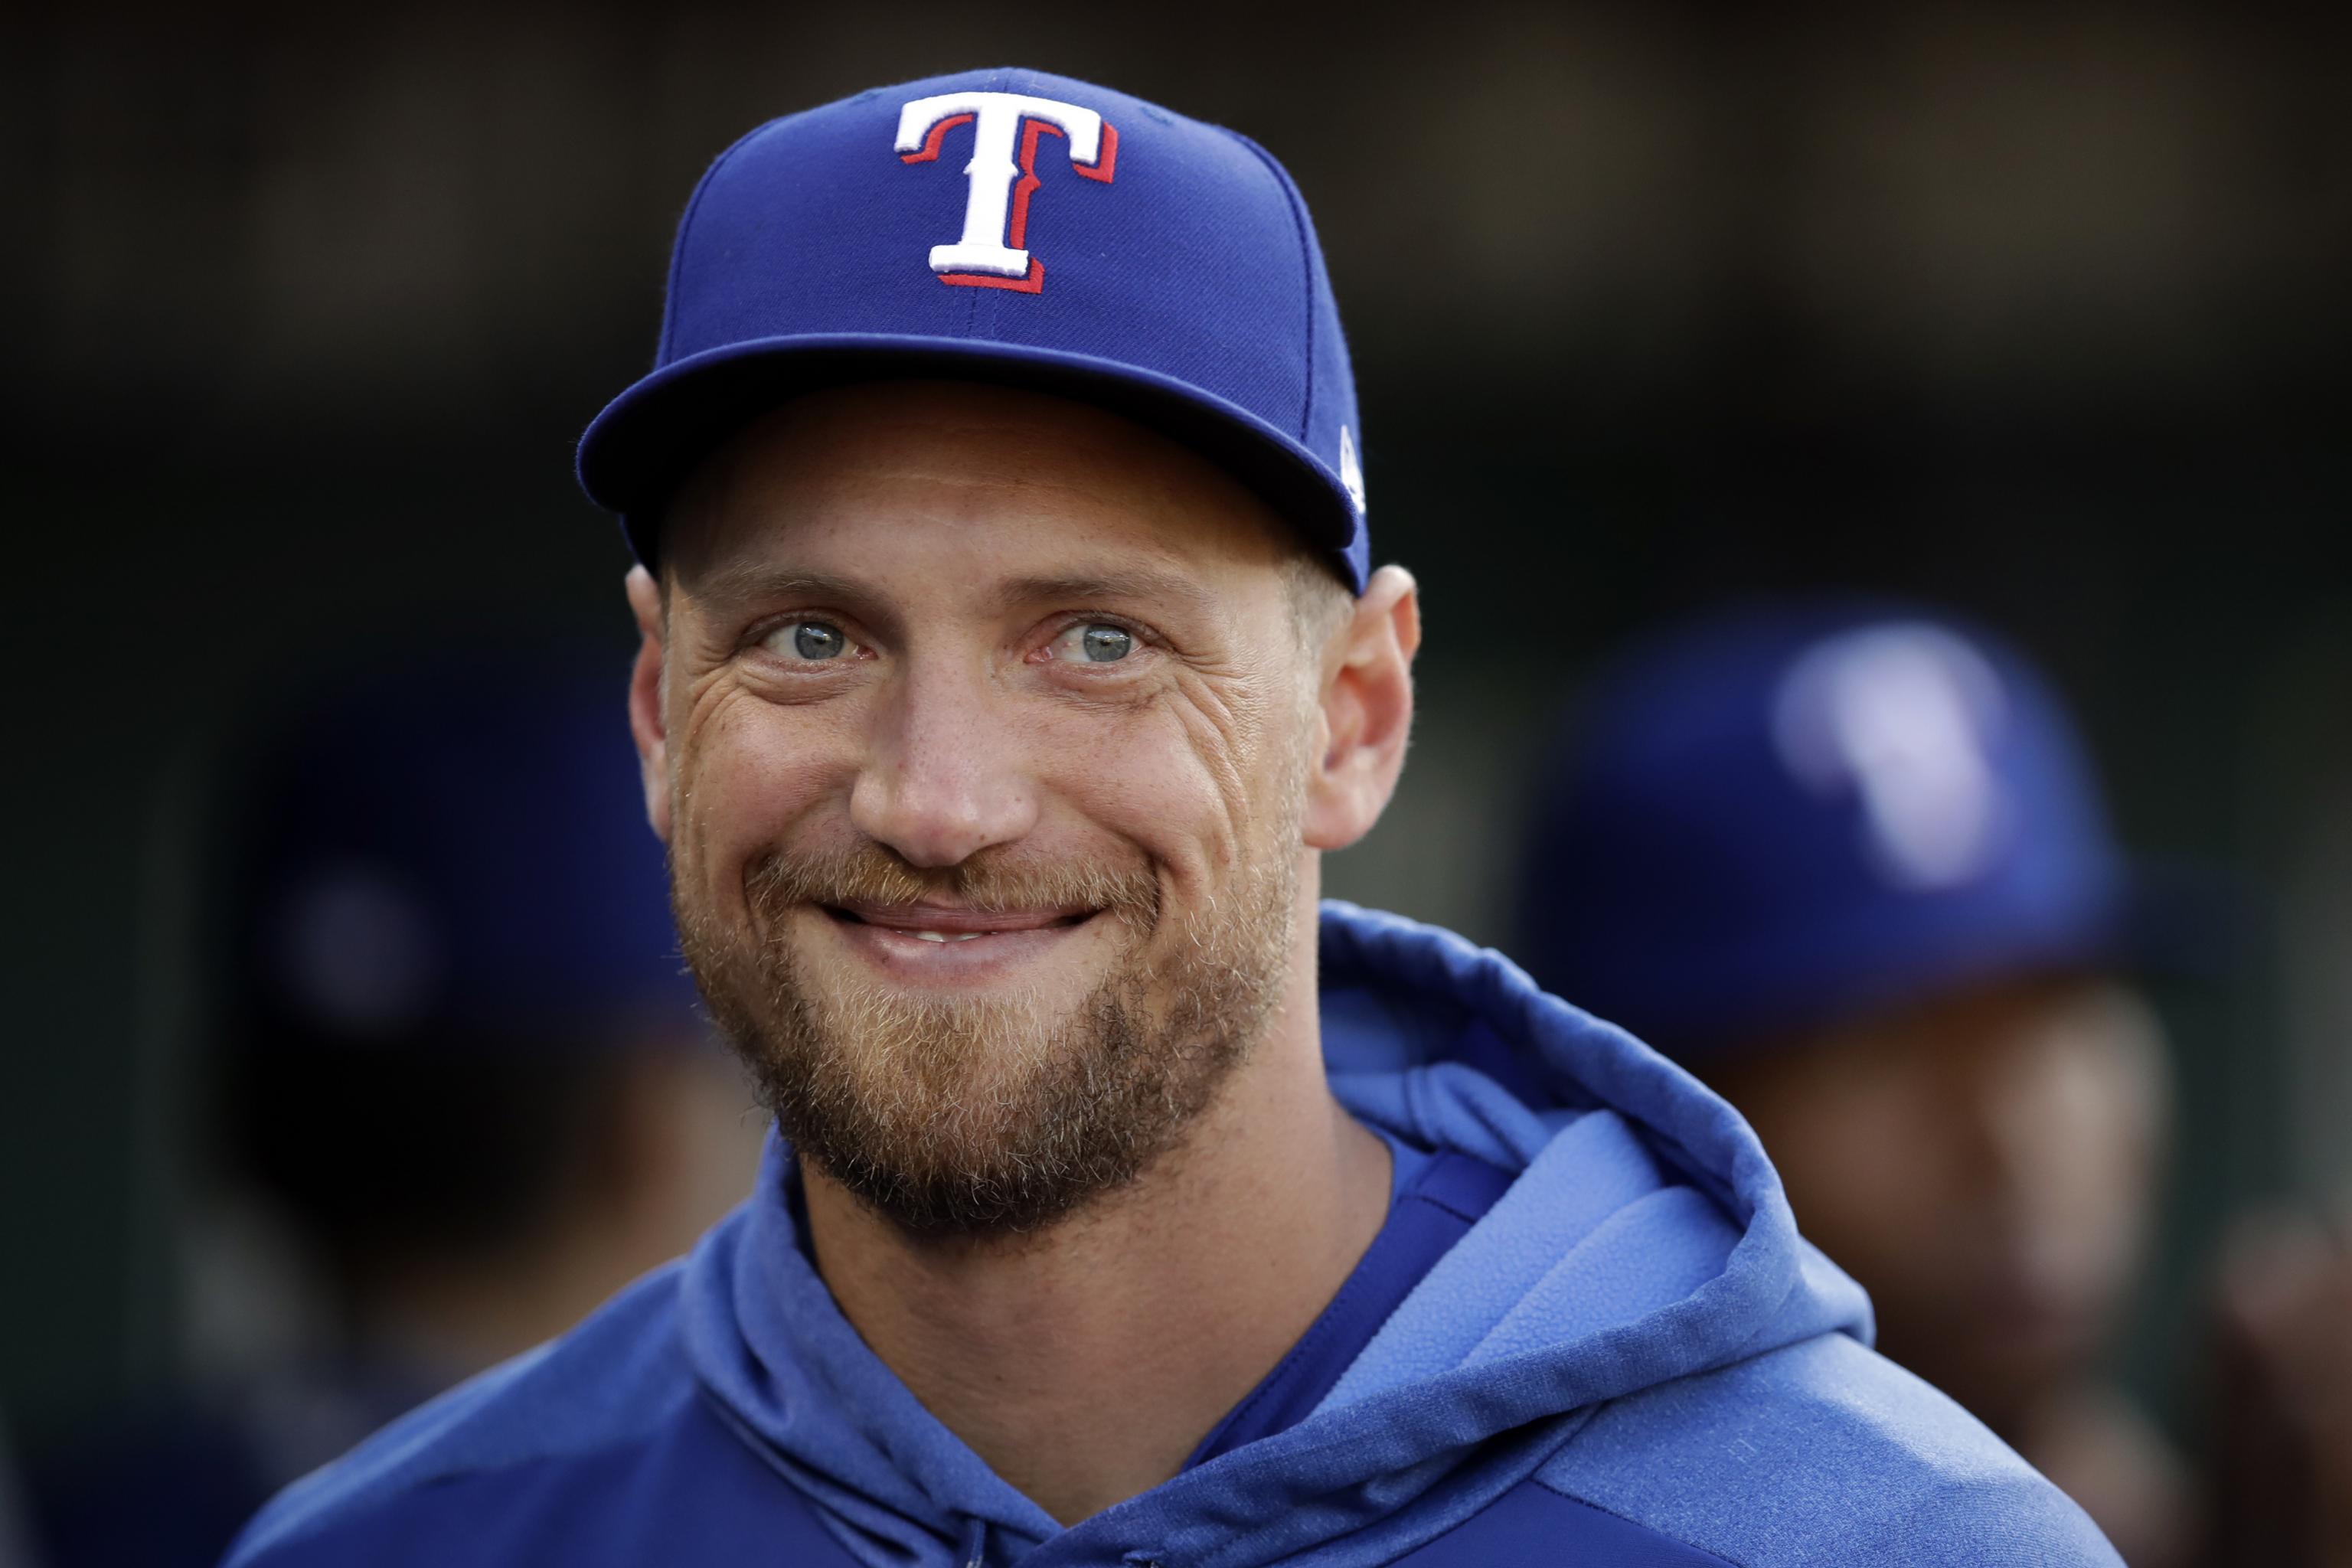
1632,1359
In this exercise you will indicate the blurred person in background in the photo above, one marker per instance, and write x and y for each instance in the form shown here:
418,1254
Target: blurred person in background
464,1084
2280,1395
1850,865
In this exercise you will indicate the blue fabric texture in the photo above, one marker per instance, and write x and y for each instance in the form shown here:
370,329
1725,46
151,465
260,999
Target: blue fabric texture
1631,1357
1438,1198
1176,277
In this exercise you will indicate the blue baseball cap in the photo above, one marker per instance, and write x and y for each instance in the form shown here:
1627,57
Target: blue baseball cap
1004,226
447,852
1799,814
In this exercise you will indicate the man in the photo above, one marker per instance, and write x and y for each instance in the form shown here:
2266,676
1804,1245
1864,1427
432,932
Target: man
1847,862
1011,655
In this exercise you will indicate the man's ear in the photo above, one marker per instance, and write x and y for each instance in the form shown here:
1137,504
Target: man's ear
1366,712
646,726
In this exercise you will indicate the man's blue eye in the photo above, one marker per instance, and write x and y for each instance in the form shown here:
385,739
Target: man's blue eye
814,640
1105,645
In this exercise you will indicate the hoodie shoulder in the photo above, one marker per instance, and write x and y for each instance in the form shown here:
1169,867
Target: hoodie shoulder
1823,1451
604,1386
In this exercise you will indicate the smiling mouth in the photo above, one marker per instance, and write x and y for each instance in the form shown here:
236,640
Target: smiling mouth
945,924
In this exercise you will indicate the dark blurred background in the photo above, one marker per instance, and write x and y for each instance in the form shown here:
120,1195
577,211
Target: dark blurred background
2032,311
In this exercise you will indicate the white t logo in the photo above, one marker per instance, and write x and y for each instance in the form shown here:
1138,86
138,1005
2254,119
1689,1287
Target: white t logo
996,211
1900,714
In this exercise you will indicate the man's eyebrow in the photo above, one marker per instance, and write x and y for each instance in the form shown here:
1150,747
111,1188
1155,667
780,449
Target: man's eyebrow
726,587
747,581
1138,583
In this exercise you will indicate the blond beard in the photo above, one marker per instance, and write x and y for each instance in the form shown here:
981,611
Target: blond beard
992,1115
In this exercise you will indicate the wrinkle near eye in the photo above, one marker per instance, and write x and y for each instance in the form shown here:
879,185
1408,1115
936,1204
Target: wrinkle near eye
1226,720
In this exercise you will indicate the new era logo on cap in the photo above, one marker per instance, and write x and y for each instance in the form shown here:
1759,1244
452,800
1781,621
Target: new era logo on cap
996,211
1187,291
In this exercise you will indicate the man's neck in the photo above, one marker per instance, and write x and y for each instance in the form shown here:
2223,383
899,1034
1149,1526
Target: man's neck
1086,1362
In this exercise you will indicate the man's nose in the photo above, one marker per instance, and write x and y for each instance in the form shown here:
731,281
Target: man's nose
943,777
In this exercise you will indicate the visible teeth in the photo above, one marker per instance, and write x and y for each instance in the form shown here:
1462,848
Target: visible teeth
946,936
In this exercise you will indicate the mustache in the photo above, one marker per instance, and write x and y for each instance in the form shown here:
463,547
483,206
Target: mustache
989,882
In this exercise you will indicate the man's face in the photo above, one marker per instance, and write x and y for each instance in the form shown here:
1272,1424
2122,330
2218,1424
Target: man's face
986,720
1984,1165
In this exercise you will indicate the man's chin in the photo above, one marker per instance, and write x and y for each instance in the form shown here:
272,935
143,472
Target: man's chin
952,1113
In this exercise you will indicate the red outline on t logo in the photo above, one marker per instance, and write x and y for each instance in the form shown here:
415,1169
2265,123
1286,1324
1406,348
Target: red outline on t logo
991,253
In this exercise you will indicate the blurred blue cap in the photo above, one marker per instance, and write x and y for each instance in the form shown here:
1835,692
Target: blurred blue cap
1794,815
455,850
1004,226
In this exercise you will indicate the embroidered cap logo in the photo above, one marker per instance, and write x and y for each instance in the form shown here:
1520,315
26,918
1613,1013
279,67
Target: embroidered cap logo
992,254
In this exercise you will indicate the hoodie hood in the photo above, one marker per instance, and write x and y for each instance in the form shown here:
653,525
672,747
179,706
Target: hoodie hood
1644,1238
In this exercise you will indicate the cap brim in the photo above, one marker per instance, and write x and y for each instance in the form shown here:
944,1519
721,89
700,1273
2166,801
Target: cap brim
638,449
